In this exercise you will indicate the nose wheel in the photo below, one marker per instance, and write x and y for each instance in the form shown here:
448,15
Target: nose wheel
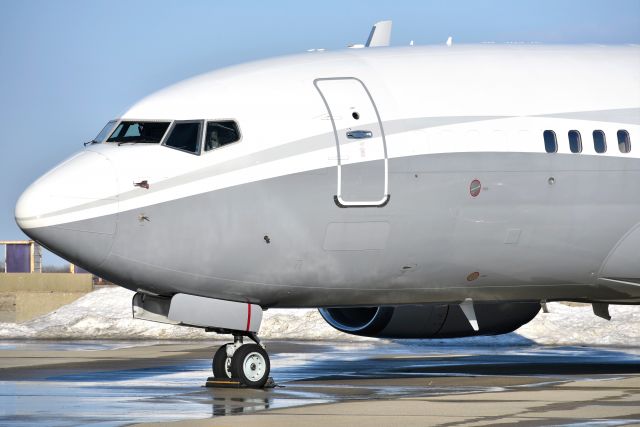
221,364
251,365
246,363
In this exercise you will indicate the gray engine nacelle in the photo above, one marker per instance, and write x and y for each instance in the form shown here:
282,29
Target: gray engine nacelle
430,320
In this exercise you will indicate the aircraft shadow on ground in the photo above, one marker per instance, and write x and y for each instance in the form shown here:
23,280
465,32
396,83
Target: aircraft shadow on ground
528,362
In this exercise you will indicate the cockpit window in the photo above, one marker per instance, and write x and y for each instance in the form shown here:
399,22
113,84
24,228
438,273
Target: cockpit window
220,133
185,136
105,131
139,132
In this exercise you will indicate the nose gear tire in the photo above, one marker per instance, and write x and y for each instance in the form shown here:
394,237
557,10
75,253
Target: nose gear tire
221,364
250,364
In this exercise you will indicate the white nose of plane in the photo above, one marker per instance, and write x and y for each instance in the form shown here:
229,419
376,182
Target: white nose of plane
72,209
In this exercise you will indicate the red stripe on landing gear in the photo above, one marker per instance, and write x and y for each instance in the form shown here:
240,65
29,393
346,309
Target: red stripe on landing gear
248,316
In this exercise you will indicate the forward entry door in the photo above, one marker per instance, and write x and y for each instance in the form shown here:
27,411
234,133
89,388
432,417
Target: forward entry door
360,142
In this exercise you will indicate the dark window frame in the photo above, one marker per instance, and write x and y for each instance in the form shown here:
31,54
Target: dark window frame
200,136
626,141
595,141
555,141
206,124
578,141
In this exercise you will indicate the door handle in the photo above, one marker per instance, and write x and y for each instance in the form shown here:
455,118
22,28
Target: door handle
359,134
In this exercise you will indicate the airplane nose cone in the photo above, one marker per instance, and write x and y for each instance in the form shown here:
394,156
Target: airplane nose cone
71,210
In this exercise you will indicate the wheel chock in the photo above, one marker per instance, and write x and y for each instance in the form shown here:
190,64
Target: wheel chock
214,382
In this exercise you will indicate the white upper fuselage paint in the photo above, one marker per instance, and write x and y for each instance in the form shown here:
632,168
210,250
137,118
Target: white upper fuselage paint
496,99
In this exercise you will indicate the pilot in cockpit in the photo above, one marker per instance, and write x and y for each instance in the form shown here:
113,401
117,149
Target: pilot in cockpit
151,132
212,139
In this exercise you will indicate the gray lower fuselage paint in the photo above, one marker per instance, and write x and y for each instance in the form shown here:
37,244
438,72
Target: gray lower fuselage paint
272,242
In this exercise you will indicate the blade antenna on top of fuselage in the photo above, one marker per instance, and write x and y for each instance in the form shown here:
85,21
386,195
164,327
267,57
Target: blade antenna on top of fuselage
380,34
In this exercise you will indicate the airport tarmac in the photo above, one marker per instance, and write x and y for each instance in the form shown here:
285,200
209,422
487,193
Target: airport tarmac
401,383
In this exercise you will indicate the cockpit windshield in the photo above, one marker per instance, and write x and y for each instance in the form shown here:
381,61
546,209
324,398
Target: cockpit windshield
139,132
105,131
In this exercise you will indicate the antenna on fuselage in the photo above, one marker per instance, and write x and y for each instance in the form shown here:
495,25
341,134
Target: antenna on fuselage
449,41
380,34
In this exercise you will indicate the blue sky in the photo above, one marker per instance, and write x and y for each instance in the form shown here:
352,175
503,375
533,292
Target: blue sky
67,67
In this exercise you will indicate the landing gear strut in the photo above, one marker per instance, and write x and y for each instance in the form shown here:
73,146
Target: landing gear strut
247,363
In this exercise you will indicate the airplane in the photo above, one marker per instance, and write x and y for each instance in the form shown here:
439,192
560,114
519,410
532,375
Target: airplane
407,192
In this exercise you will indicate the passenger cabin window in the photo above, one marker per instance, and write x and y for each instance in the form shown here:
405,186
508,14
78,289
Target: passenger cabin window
220,133
139,132
550,141
599,141
575,141
624,142
185,136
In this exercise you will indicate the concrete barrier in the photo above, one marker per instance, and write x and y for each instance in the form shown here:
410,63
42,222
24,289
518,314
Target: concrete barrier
26,296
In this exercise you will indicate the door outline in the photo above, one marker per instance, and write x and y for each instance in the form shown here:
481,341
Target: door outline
338,197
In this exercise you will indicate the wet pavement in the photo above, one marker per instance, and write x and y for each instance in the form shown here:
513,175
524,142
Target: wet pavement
118,383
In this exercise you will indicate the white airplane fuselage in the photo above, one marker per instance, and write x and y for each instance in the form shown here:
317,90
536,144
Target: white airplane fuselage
443,190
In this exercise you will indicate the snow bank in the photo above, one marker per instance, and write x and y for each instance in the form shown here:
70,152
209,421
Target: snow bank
106,314
578,325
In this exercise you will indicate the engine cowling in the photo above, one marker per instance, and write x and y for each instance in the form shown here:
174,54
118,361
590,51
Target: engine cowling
430,320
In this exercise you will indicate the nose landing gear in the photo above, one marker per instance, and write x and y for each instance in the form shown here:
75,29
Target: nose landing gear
235,364
246,364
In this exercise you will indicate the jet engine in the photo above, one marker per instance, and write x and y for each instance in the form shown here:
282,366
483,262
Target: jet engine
430,320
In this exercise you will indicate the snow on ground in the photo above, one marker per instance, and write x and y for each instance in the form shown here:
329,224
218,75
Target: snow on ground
106,314
578,325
